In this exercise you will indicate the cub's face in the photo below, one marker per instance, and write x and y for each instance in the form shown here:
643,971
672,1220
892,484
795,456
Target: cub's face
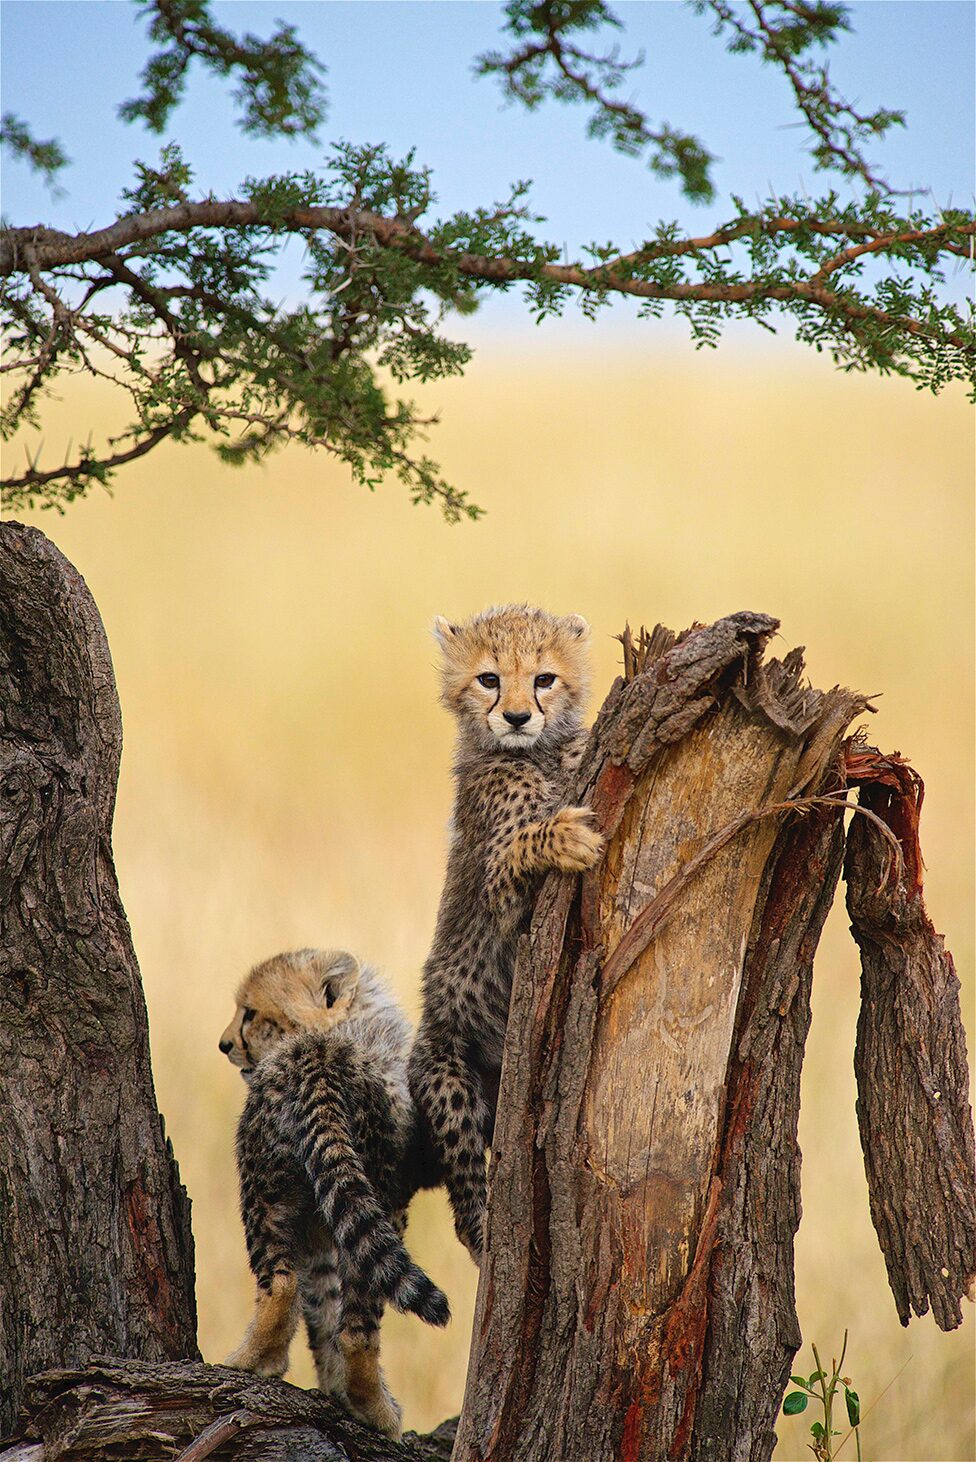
514,675
309,989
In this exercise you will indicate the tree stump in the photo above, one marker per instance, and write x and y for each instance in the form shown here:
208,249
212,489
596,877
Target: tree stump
636,1298
97,1254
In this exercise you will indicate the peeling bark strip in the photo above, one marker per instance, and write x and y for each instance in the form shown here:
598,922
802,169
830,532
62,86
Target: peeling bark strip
636,1299
185,1412
96,1254
910,1060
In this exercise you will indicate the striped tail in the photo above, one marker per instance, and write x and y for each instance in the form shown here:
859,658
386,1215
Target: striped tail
360,1228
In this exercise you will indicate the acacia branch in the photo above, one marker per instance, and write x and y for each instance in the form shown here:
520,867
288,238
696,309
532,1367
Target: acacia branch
85,467
834,122
280,87
52,249
584,76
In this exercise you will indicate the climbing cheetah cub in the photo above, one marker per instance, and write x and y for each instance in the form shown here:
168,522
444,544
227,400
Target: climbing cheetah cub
516,679
328,1159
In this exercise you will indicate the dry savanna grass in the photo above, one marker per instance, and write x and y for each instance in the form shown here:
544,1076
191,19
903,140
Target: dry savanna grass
286,772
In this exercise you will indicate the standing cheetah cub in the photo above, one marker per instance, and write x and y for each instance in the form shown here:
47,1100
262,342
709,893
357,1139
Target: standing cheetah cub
327,1155
516,679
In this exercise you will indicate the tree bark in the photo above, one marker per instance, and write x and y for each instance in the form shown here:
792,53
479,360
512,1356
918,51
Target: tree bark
910,1059
636,1298
136,1412
97,1255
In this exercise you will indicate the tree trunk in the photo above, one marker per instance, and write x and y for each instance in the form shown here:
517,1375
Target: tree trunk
97,1255
636,1298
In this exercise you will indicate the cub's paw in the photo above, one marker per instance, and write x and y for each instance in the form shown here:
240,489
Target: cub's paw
574,843
368,1397
264,1349
260,1362
380,1411
472,1237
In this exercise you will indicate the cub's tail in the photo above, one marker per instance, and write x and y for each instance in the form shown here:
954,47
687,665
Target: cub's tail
367,1239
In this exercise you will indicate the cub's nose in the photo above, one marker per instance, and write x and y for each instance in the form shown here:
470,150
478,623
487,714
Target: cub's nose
226,1046
517,718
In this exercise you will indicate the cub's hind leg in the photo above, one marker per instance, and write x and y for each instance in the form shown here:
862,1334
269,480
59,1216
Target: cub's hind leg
321,1297
451,1098
268,1209
267,1340
367,1393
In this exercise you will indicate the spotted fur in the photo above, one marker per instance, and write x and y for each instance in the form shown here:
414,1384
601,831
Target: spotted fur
328,1160
516,680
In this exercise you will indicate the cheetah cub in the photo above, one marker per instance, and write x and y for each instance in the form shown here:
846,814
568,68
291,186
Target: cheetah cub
327,1156
516,680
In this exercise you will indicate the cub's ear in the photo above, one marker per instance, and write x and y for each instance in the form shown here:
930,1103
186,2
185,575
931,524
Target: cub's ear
340,980
577,625
445,632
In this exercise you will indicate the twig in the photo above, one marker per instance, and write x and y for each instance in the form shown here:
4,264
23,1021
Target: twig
214,1435
880,1395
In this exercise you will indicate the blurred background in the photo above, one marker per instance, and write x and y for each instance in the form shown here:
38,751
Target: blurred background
285,779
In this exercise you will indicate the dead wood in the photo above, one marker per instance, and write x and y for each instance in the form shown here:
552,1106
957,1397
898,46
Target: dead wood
636,1300
910,1060
128,1411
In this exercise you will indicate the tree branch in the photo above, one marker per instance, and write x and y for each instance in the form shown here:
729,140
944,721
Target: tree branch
585,77
782,41
52,249
380,287
280,87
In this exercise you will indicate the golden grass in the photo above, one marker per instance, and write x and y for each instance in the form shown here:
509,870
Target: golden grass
285,779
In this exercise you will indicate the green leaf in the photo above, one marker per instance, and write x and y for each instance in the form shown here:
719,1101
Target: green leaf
853,1406
817,1431
44,157
817,1376
794,1403
799,1381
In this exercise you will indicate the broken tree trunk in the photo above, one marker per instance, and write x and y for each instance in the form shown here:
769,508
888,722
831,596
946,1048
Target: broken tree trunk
636,1298
96,1255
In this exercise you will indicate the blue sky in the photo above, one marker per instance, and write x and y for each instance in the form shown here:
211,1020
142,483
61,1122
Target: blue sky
401,73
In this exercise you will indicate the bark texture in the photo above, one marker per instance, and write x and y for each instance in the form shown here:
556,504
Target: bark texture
636,1300
910,1060
97,1254
747,1318
124,1411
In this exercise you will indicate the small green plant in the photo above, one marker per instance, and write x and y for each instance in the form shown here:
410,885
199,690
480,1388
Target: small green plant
823,1388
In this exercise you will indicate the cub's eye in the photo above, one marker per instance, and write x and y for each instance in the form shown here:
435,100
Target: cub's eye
543,682
488,680
249,1013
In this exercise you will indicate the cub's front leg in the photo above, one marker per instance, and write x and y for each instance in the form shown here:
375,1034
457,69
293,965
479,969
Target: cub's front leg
568,840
